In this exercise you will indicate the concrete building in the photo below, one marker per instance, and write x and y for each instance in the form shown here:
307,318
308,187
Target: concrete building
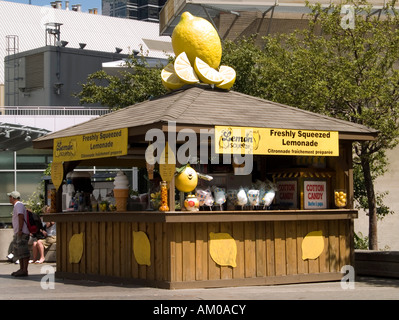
51,75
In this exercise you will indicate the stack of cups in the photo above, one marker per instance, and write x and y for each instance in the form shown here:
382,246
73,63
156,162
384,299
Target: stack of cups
121,191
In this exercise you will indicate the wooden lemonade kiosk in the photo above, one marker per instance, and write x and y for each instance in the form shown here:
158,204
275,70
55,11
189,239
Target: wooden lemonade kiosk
181,249
306,235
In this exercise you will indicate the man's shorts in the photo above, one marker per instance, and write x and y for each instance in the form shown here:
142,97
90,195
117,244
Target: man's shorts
48,241
21,249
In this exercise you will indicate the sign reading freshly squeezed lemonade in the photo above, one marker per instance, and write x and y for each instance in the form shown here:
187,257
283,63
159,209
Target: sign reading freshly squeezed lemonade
90,146
272,141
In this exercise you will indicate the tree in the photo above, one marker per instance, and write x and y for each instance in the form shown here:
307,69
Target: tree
334,68
138,83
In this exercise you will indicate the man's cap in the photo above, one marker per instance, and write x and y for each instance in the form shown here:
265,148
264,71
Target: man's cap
14,194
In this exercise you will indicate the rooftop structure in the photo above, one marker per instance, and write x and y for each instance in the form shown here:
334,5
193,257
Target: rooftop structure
200,105
235,17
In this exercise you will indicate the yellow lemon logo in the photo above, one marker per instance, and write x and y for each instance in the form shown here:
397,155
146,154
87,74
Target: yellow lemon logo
312,245
76,248
141,248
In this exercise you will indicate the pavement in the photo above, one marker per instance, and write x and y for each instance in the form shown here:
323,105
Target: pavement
42,285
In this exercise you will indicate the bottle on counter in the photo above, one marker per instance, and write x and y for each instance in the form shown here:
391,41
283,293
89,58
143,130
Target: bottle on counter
94,204
76,202
164,197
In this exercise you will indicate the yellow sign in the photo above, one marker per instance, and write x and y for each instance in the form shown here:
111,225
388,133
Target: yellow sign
167,166
101,144
57,174
272,141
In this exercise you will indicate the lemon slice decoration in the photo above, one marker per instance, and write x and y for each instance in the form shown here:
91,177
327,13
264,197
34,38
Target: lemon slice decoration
141,248
76,248
312,245
169,78
229,77
206,73
223,249
184,70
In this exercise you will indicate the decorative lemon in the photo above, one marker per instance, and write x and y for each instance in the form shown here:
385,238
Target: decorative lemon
229,77
169,78
198,38
141,248
223,249
76,247
206,73
340,198
184,70
312,245
187,179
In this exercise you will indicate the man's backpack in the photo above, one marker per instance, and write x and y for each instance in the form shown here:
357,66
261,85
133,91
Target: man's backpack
33,222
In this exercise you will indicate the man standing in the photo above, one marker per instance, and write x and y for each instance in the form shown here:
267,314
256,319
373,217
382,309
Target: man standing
21,234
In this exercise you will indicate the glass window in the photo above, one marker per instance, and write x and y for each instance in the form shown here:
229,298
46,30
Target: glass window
33,159
28,183
6,185
153,13
153,2
5,214
7,160
143,14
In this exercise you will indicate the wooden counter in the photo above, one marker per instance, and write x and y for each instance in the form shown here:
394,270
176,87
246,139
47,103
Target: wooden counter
268,247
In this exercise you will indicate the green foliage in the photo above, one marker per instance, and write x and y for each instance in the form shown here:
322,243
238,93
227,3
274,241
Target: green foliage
379,164
36,199
138,83
361,242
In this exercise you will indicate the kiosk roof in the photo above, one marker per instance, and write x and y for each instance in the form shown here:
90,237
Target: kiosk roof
202,106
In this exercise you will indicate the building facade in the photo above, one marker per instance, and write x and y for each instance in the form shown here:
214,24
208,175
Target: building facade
51,75
146,10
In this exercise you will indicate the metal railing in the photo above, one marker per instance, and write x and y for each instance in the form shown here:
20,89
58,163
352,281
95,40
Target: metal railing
53,111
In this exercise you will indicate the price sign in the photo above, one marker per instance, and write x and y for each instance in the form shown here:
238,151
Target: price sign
57,174
167,164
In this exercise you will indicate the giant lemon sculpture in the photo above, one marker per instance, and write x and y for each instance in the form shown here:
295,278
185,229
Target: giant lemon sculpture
198,38
198,51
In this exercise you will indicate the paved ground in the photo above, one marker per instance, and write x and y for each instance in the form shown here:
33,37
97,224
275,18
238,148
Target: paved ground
11,288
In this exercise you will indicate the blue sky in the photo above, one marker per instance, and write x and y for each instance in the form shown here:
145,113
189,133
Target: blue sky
86,4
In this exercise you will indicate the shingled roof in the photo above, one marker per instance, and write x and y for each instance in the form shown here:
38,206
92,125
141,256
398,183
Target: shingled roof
204,106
